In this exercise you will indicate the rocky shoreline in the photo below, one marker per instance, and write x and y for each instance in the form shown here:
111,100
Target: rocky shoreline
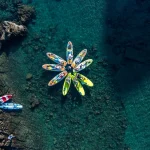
12,122
8,120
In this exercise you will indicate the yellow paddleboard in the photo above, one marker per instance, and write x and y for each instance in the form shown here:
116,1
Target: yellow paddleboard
78,85
66,85
83,79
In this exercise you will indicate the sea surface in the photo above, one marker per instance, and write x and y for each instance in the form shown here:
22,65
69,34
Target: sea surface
115,113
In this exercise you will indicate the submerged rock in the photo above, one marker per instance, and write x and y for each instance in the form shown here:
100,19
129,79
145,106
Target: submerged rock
34,101
9,29
21,13
3,63
2,137
25,13
29,76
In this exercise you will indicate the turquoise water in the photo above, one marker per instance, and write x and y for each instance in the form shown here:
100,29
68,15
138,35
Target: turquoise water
112,115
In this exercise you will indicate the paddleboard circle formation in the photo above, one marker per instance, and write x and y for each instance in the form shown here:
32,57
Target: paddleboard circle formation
69,69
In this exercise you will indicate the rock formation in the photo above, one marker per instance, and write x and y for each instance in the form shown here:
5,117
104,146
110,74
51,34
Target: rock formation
25,13
9,29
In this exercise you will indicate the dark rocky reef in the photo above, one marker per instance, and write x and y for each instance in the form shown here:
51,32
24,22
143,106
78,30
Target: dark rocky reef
19,16
16,11
25,13
3,68
10,29
9,122
13,21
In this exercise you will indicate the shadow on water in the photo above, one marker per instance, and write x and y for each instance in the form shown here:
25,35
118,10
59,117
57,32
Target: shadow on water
9,111
11,45
127,39
11,148
128,50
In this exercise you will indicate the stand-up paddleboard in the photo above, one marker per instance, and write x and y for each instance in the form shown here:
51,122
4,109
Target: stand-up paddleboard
77,85
79,58
11,106
58,78
83,79
83,65
56,59
5,98
53,67
66,85
69,53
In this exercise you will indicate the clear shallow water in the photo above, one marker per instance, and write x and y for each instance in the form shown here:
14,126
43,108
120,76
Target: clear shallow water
104,118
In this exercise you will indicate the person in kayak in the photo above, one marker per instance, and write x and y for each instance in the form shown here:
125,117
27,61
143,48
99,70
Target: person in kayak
10,137
70,56
77,61
61,75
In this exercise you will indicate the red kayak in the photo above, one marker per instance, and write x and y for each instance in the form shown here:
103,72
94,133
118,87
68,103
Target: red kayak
5,98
